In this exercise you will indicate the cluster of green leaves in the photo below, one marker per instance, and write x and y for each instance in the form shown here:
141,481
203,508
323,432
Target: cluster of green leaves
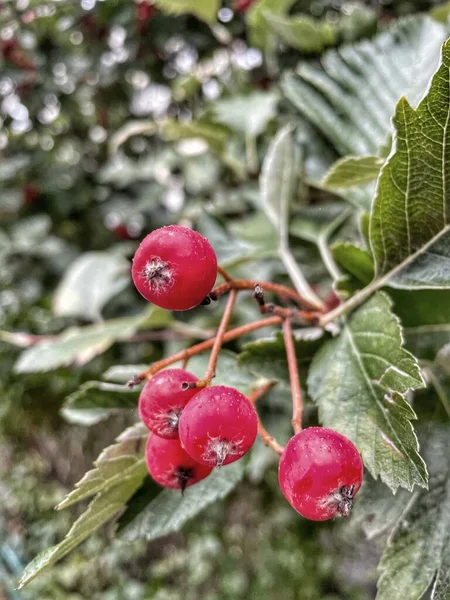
336,175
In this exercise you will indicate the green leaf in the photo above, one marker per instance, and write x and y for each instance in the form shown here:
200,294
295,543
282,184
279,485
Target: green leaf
122,373
228,371
353,170
117,464
169,511
79,345
213,134
89,283
425,315
96,400
354,260
403,227
417,552
259,31
278,182
247,115
352,97
377,508
206,10
104,506
302,32
358,380
441,13
267,357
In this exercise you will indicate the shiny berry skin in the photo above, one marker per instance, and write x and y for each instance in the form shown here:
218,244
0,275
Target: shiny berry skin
174,267
218,426
162,399
319,473
171,466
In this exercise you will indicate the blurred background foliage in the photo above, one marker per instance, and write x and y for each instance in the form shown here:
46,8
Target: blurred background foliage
117,118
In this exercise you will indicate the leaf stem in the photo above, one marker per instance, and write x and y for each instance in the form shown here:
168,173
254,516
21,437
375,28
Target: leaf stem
268,439
232,334
294,377
212,363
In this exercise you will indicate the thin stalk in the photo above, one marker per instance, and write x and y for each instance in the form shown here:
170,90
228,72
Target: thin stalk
294,378
268,286
186,354
268,439
218,342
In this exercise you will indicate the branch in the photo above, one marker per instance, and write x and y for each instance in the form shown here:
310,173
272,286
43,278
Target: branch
202,347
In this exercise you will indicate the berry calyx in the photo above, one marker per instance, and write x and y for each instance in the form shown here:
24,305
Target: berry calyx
174,267
171,466
319,473
163,398
218,426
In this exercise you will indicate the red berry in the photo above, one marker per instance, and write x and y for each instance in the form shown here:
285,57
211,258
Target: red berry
171,466
162,400
218,426
174,267
319,473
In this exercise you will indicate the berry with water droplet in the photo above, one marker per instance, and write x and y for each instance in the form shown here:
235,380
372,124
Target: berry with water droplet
163,398
174,267
171,466
218,426
319,473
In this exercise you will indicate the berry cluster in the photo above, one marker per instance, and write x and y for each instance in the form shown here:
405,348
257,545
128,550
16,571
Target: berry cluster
194,430
195,426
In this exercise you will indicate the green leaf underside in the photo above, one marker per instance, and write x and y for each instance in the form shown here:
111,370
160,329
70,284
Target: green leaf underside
351,99
247,115
116,464
353,170
259,31
206,10
169,511
96,400
418,550
412,204
104,506
80,344
90,281
358,380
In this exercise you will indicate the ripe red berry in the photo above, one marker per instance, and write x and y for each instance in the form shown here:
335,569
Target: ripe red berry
162,400
171,466
218,426
319,473
242,6
174,267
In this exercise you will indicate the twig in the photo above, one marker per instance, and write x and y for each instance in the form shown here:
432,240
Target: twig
268,286
268,439
268,308
219,339
224,274
202,347
294,378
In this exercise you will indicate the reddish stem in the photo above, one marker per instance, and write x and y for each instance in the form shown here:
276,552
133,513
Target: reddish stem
224,274
219,339
268,286
294,378
268,439
202,347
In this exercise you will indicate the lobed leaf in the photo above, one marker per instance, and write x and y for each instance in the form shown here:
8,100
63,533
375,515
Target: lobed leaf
117,464
358,380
